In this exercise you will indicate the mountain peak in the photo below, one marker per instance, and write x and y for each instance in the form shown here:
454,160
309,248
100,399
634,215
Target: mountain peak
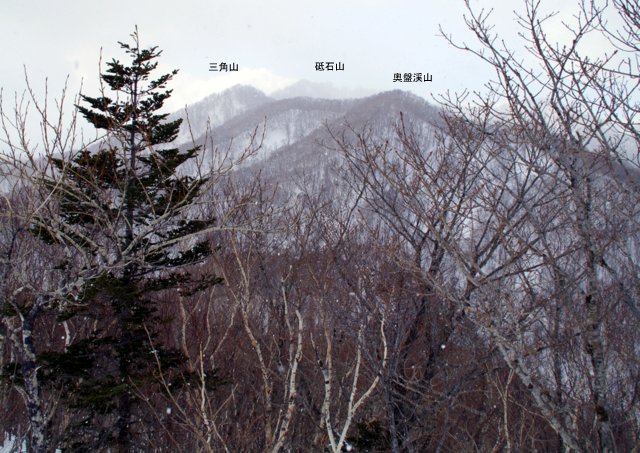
218,108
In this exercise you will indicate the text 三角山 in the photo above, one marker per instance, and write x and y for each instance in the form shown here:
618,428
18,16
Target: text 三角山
223,67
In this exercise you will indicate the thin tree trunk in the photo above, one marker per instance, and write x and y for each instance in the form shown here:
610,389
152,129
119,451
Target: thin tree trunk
594,342
38,437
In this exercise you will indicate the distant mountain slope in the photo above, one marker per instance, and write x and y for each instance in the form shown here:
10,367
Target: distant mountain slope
286,122
218,108
312,159
297,147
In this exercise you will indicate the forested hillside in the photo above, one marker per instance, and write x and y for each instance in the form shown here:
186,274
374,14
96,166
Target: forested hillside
374,274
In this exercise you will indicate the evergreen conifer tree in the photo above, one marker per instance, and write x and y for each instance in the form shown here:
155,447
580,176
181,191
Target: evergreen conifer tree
132,212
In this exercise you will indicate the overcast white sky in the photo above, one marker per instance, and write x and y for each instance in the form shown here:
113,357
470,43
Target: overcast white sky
274,43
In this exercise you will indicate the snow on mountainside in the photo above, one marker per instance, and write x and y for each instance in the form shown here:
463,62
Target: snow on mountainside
297,143
217,108
313,162
378,114
286,122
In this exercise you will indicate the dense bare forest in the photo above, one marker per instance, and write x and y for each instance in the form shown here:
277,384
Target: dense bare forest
471,287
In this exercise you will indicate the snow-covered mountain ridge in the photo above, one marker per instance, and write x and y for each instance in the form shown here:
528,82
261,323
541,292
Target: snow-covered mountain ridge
297,129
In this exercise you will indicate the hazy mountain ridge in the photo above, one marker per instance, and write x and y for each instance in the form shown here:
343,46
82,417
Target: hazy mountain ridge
216,109
285,122
297,147
313,161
